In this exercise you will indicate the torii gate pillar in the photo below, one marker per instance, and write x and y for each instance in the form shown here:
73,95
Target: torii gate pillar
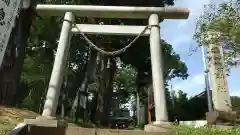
59,66
157,70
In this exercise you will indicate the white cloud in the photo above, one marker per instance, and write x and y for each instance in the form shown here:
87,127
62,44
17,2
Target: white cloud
196,84
198,79
192,86
233,82
235,92
177,32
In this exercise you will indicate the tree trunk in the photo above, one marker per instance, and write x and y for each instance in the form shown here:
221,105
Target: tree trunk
108,94
101,89
14,57
64,96
76,99
151,104
79,104
65,88
63,104
138,108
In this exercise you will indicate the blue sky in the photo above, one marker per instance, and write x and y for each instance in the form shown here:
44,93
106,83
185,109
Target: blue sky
179,33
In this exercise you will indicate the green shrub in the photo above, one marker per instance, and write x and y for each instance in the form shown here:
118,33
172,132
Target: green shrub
184,130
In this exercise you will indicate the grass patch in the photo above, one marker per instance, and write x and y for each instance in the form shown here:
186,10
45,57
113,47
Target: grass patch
184,130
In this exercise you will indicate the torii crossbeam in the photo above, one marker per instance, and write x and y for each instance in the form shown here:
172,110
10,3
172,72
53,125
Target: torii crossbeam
113,11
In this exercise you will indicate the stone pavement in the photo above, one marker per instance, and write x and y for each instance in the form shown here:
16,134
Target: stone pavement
35,130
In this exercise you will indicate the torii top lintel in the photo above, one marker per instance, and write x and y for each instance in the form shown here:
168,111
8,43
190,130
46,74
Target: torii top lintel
113,11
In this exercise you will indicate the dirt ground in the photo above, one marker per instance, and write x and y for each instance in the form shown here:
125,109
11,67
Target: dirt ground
10,117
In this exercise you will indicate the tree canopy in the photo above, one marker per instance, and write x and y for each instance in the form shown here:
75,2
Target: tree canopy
221,24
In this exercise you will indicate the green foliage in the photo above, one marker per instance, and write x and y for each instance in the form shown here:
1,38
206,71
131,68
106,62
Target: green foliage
125,83
176,105
236,104
182,97
220,25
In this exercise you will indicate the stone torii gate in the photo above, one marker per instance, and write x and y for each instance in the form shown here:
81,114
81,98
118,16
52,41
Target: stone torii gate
69,27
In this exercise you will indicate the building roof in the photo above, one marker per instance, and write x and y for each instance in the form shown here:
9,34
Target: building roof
201,94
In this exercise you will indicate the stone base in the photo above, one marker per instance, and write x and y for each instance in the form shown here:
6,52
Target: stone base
159,127
46,122
196,123
71,130
224,127
221,118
